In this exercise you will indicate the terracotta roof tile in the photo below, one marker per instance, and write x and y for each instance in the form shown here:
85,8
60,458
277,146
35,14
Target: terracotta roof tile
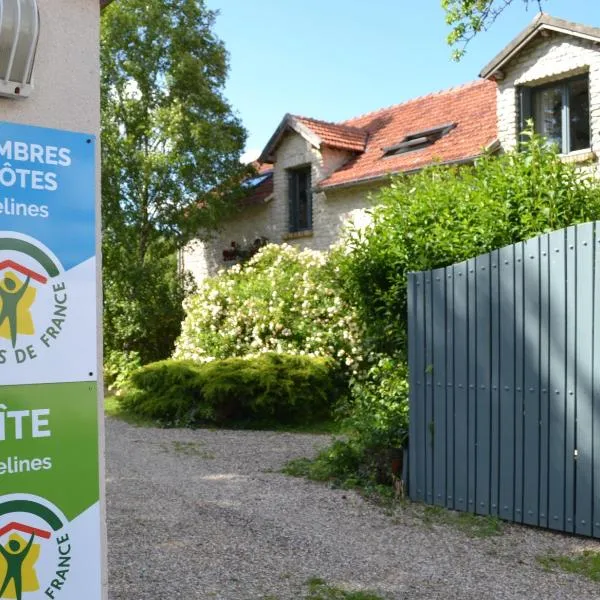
471,107
262,168
260,192
335,135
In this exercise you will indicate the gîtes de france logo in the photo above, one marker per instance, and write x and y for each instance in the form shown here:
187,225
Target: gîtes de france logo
33,299
35,548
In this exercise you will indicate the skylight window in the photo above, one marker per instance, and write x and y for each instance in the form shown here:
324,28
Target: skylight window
256,181
418,140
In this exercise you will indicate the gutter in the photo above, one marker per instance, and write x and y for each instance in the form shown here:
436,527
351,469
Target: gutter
381,177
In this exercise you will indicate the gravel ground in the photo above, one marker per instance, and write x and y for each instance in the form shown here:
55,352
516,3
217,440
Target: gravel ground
205,514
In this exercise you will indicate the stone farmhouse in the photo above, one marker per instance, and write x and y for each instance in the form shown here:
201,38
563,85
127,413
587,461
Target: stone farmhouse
313,175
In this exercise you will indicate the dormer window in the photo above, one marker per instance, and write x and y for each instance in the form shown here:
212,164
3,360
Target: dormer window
560,112
418,140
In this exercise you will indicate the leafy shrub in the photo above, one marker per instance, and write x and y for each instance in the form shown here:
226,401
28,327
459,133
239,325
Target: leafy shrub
118,367
427,220
270,387
444,215
379,408
378,424
339,464
281,301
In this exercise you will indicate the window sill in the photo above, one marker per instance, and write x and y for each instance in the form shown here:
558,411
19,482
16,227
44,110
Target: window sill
579,156
294,235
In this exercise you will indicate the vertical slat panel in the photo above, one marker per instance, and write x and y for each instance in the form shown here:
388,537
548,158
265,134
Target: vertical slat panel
483,362
460,385
506,299
519,371
583,380
429,388
414,416
596,385
495,391
571,349
504,354
557,391
472,381
544,377
531,388
450,422
440,424
419,371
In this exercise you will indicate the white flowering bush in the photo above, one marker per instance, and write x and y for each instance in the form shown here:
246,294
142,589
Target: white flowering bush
282,300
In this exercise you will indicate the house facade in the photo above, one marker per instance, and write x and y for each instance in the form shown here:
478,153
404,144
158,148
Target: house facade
315,176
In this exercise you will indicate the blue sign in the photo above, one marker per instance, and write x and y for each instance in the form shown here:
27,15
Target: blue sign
48,297
45,190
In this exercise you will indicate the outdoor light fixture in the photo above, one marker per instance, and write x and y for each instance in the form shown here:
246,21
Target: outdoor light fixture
19,32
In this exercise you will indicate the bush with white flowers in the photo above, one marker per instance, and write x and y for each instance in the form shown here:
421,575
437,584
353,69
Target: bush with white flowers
281,300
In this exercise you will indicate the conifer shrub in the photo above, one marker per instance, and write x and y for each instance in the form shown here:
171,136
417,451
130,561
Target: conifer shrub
270,387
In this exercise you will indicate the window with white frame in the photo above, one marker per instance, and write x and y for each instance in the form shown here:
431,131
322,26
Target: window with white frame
560,112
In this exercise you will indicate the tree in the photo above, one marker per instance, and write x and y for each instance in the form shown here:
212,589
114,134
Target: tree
170,160
468,17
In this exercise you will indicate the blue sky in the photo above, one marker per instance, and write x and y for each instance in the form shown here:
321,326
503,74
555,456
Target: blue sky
336,59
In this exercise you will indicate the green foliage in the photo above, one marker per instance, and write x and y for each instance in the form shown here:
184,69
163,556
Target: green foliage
118,367
377,418
427,220
281,300
319,589
170,160
445,215
469,17
339,464
379,408
474,526
351,463
269,387
114,409
143,304
587,563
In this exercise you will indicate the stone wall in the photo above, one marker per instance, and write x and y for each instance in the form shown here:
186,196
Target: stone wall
330,210
546,59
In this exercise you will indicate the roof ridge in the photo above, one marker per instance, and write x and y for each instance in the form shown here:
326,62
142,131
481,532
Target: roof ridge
462,86
540,22
333,123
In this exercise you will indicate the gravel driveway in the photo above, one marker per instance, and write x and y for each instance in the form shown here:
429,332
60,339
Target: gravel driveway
205,514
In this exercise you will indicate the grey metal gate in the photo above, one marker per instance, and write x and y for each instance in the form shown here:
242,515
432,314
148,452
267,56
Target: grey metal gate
504,356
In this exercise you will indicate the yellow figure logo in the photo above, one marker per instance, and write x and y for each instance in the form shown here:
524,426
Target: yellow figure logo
17,567
16,299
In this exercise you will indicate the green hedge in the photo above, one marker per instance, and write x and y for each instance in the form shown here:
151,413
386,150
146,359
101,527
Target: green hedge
270,387
444,215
